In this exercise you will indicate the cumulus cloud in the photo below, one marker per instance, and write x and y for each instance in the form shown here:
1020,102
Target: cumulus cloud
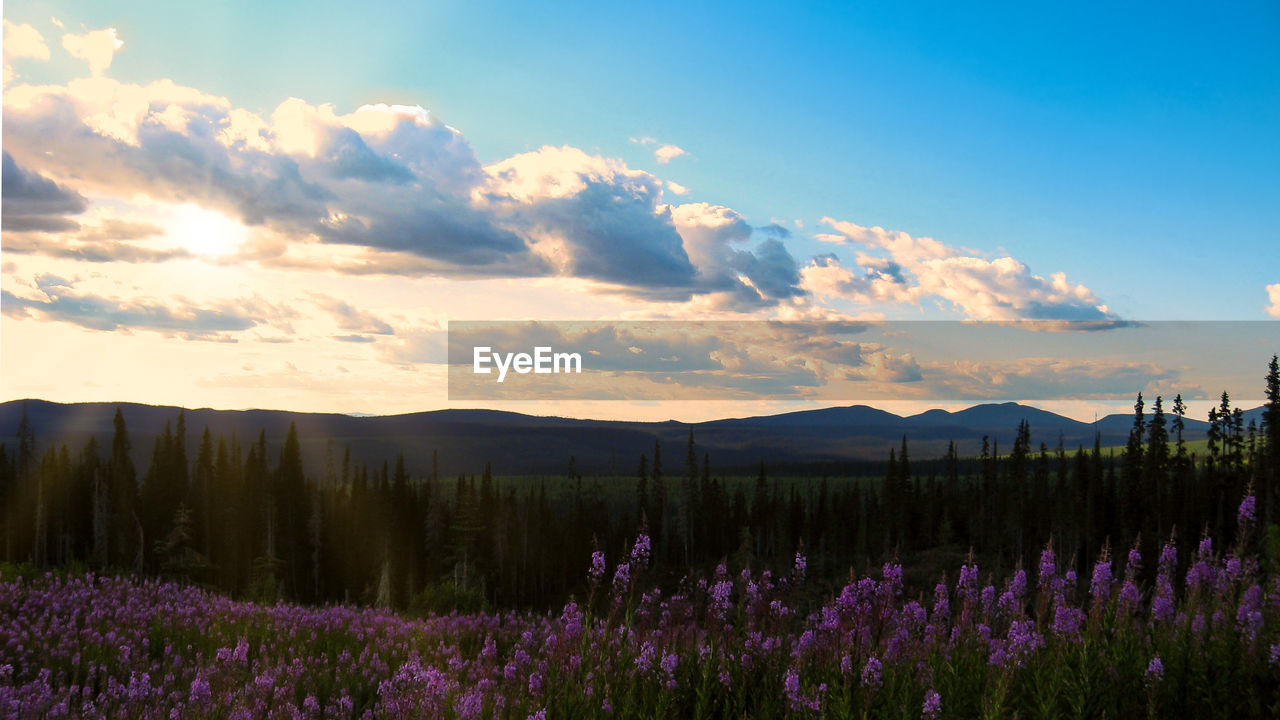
97,48
33,202
403,190
390,189
900,268
1273,295
57,299
21,42
593,217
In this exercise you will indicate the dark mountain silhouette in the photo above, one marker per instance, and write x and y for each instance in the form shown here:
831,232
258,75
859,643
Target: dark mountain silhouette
517,443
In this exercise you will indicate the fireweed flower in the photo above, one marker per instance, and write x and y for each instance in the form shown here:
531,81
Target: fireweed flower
597,567
719,594
1021,642
932,706
941,602
669,663
1248,511
801,565
1100,586
967,587
621,578
1018,583
1162,605
1010,600
644,661
1133,564
1249,615
891,587
871,673
1130,597
640,551
988,599
1155,672
795,699
1048,567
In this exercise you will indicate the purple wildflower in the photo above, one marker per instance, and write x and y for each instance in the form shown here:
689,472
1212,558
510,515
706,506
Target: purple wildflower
622,578
1248,511
801,565
871,673
1048,567
1100,586
932,706
597,567
1155,671
640,551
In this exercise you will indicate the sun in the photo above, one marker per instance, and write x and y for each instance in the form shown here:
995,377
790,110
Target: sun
205,232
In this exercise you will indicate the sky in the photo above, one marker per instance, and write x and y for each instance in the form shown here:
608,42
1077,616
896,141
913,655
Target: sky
283,204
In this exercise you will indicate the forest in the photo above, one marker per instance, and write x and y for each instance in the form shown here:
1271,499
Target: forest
231,515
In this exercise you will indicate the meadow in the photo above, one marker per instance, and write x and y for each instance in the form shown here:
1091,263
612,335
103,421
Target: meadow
1202,641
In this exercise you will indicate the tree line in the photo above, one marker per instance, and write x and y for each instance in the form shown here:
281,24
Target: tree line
251,521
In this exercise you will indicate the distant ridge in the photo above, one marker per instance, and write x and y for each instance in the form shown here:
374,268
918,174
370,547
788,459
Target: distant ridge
517,443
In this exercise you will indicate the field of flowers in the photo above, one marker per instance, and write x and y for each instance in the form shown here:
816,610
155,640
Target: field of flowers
1204,641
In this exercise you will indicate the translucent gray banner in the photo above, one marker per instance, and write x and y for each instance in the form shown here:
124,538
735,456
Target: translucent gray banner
857,361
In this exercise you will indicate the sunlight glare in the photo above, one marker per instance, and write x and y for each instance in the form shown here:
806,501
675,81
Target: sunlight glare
205,232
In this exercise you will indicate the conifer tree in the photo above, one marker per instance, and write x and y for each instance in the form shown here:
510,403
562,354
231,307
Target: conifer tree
1271,441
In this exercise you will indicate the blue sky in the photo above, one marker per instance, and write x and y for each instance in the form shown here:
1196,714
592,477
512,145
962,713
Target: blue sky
1131,148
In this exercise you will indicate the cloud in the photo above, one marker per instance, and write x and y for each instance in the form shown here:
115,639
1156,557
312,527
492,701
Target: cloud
97,251
391,190
909,269
21,42
1042,378
590,217
595,218
58,300
32,202
667,153
96,48
1273,294
350,318
102,243
118,229
403,193
415,346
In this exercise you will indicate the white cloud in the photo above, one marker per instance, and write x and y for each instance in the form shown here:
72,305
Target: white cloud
21,42
391,190
1273,294
97,48
667,153
909,269
663,153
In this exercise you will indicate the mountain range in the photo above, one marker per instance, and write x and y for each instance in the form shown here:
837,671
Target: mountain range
520,444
